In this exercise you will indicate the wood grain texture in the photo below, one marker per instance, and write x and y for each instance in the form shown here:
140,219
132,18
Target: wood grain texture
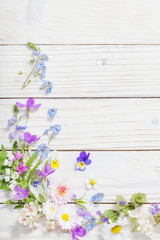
84,71
94,124
85,21
11,229
118,173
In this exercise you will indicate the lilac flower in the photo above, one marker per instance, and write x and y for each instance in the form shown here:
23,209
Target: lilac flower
30,138
19,128
155,210
21,168
48,170
91,225
99,213
105,219
12,121
29,104
17,156
52,112
78,231
122,203
20,194
44,150
98,197
82,161
55,129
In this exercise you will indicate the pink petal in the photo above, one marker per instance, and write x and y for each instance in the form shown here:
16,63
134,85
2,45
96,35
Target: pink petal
25,169
20,172
21,164
27,137
36,105
20,104
17,189
17,168
30,102
21,155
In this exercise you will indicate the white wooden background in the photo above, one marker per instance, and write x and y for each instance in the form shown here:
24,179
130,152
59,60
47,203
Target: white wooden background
105,66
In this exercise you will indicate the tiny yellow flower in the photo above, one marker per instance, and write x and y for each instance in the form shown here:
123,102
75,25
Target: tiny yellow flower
55,164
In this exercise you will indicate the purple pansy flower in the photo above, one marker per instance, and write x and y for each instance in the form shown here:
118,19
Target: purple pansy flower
78,231
21,168
82,161
47,171
20,194
17,156
30,138
29,104
155,210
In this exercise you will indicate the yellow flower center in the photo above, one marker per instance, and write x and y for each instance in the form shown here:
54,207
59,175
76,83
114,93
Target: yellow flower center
81,164
55,164
65,217
92,182
116,229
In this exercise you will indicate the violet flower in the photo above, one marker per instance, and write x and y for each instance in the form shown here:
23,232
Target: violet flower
122,203
20,194
17,156
47,171
29,104
30,138
78,231
84,213
21,168
82,161
155,210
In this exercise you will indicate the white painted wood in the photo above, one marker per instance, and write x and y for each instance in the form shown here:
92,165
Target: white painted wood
95,124
118,173
84,71
85,21
11,229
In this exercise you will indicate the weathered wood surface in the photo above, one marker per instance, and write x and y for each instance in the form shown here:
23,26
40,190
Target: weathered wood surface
84,71
85,21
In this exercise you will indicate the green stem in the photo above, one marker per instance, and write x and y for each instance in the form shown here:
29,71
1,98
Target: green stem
50,139
25,83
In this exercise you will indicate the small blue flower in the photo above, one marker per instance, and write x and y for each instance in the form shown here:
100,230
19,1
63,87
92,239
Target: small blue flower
98,197
36,183
55,129
44,57
91,225
40,64
36,53
44,150
82,161
12,121
46,131
52,112
48,85
18,128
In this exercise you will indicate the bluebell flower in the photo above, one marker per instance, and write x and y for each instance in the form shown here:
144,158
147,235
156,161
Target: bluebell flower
36,53
52,112
12,121
44,57
91,225
36,183
55,129
155,210
82,161
98,197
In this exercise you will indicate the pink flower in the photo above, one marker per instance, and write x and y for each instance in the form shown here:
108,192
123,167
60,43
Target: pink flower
29,104
17,156
20,194
22,168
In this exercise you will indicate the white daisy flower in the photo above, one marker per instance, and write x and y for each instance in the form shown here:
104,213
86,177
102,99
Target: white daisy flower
92,183
66,217
49,209
116,231
8,171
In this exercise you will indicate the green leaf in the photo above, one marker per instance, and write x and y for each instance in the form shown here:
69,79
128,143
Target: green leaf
80,201
42,198
33,60
20,73
8,202
112,214
19,206
5,187
3,150
2,157
139,198
33,46
129,207
119,199
14,147
31,159
16,111
32,171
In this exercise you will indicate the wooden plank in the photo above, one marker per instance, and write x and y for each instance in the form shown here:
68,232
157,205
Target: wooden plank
118,173
87,21
85,71
11,229
94,124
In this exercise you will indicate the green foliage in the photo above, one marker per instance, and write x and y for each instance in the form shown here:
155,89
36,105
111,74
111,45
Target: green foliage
33,46
31,159
14,147
20,73
139,198
120,198
112,214
4,187
42,198
32,171
8,202
16,111
33,60
19,206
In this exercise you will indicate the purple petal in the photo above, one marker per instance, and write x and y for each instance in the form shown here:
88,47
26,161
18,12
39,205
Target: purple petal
21,164
17,189
82,154
30,102
25,168
27,137
20,172
87,162
17,168
79,160
25,193
34,138
87,156
12,135
79,231
36,105
20,104
17,196
48,169
21,155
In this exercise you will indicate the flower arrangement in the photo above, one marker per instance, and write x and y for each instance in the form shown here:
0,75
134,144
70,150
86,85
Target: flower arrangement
26,175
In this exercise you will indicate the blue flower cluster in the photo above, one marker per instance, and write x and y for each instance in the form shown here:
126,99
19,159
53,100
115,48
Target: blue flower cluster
44,150
19,128
52,112
47,85
54,128
12,121
98,197
91,225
